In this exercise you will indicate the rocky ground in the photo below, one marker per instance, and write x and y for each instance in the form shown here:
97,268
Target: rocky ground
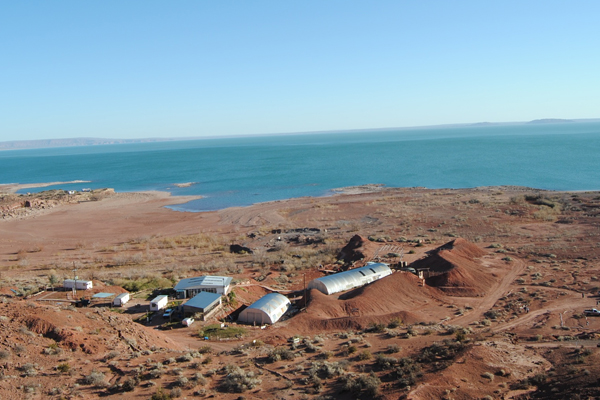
507,273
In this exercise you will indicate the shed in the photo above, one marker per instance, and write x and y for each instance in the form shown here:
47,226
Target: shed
266,310
78,284
189,287
121,299
159,302
350,279
203,302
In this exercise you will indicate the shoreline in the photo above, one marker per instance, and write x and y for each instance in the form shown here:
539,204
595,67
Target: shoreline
11,188
171,201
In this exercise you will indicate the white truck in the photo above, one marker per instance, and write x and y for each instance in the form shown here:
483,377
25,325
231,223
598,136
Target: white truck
592,312
187,321
159,302
77,284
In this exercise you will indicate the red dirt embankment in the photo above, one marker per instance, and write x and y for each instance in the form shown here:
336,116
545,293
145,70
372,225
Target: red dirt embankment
379,302
455,269
358,248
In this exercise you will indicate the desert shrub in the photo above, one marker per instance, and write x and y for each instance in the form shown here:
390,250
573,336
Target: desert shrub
492,314
63,367
111,355
352,349
393,348
406,371
205,349
199,379
156,372
311,347
185,358
130,384
412,331
363,384
181,381
4,354
441,351
96,378
365,355
237,380
29,369
327,369
384,362
175,393
281,353
160,395
376,328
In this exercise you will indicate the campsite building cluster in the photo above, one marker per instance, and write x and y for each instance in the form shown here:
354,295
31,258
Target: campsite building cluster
203,295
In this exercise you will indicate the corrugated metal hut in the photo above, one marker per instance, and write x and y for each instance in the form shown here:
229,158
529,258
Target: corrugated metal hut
350,279
266,310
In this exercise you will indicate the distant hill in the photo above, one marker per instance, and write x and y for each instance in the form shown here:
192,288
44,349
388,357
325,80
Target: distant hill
550,121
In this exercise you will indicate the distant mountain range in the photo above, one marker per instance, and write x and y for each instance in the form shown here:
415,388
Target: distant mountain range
46,143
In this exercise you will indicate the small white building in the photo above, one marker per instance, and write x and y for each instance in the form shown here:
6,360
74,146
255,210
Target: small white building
350,279
121,300
266,310
77,284
159,302
190,287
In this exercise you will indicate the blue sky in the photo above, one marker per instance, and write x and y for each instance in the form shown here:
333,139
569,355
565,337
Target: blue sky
134,69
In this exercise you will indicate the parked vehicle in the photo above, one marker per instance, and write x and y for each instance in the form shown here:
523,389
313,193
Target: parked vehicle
187,321
592,312
168,312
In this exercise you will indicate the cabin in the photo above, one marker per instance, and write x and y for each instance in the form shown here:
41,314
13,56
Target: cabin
190,287
78,284
121,300
159,302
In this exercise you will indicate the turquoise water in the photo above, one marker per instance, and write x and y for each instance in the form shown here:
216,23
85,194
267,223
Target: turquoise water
242,171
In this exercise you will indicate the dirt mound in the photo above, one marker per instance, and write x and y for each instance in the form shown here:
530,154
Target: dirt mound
93,331
399,295
358,248
454,268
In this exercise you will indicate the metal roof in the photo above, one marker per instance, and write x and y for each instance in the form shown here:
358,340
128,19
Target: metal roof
102,295
273,305
350,279
200,281
270,302
203,300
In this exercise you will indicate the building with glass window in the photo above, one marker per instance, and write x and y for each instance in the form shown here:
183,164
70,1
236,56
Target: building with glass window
189,287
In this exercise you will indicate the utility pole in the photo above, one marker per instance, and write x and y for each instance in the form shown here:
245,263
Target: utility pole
304,275
74,281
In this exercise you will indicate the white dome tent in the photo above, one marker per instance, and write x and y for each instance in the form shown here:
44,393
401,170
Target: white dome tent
350,279
266,310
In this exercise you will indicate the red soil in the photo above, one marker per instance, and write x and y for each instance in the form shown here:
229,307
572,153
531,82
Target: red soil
358,248
399,295
455,269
